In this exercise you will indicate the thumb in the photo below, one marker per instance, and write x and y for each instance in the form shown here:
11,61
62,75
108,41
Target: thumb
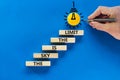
99,26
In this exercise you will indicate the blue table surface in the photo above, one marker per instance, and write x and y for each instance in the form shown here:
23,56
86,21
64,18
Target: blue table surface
26,25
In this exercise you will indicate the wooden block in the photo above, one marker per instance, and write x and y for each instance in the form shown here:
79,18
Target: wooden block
38,63
62,40
45,55
54,47
71,32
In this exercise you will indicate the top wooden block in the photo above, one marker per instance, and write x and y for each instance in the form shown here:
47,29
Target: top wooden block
71,32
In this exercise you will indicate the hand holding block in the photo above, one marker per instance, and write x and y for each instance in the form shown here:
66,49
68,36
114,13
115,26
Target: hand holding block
62,40
45,55
54,47
71,32
38,63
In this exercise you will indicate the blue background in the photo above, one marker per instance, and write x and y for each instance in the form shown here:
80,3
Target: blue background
25,25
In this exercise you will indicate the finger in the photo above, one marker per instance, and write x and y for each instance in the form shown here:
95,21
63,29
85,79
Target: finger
99,26
100,10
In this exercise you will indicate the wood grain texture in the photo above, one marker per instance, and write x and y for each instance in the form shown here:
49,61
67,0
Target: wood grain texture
38,63
45,55
54,47
62,40
71,32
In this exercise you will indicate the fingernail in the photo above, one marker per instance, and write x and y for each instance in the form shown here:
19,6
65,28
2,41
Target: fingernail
91,23
88,17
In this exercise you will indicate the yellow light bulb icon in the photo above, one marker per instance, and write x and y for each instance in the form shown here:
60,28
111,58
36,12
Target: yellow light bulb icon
73,19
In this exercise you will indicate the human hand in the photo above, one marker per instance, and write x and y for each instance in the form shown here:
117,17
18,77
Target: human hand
112,28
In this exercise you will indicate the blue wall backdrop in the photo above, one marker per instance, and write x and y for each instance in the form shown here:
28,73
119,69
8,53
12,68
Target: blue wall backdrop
25,25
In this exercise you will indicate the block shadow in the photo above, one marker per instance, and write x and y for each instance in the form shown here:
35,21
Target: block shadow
54,62
70,46
38,70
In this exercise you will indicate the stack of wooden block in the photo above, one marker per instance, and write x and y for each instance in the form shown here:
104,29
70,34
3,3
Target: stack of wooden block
51,51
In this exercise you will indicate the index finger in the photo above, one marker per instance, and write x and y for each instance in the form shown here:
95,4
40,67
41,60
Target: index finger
100,10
